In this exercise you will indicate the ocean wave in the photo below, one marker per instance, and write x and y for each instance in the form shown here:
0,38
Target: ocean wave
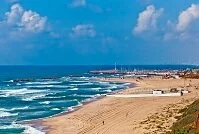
108,91
12,126
97,88
3,109
65,78
7,114
55,109
63,101
33,97
83,77
113,87
11,81
102,82
3,96
31,130
126,84
49,86
18,84
40,86
70,109
19,91
19,108
79,81
82,84
43,83
90,96
13,109
45,102
62,86
74,89
75,95
27,129
54,97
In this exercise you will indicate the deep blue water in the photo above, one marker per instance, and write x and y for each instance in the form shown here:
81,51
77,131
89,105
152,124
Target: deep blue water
14,72
32,92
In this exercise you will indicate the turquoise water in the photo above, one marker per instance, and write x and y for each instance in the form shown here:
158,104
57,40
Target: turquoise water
22,100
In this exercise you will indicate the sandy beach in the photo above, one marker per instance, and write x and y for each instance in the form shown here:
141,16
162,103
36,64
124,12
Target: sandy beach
126,115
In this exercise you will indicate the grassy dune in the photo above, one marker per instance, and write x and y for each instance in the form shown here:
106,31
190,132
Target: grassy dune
186,123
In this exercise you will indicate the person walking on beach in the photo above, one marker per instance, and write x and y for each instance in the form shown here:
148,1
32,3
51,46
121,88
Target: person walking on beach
127,114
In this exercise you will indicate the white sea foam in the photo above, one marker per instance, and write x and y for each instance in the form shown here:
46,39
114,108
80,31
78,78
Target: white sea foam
43,83
97,88
7,114
62,86
74,89
75,95
102,82
83,77
45,102
78,81
3,96
18,84
10,81
13,125
22,91
82,84
113,87
63,101
19,108
31,130
3,109
55,109
65,78
13,109
70,109
28,129
108,91
55,97
97,95
33,97
126,84
40,86
49,86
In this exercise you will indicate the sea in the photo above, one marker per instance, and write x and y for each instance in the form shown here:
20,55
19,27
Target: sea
35,92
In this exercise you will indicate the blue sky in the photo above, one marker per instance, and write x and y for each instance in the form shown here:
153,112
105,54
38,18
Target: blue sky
84,32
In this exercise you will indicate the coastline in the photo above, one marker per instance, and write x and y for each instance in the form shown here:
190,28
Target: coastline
39,123
86,119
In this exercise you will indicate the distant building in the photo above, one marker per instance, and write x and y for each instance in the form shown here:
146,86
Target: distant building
158,92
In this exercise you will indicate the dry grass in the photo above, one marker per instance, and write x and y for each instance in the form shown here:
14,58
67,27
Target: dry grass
159,123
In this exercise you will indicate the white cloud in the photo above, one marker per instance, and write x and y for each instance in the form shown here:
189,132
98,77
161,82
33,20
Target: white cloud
187,17
14,15
84,30
78,3
184,27
33,22
85,4
147,19
25,20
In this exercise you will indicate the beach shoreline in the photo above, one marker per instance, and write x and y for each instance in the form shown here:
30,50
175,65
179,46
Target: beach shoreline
86,118
39,125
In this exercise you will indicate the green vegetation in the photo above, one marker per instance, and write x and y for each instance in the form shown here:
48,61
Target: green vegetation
186,123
